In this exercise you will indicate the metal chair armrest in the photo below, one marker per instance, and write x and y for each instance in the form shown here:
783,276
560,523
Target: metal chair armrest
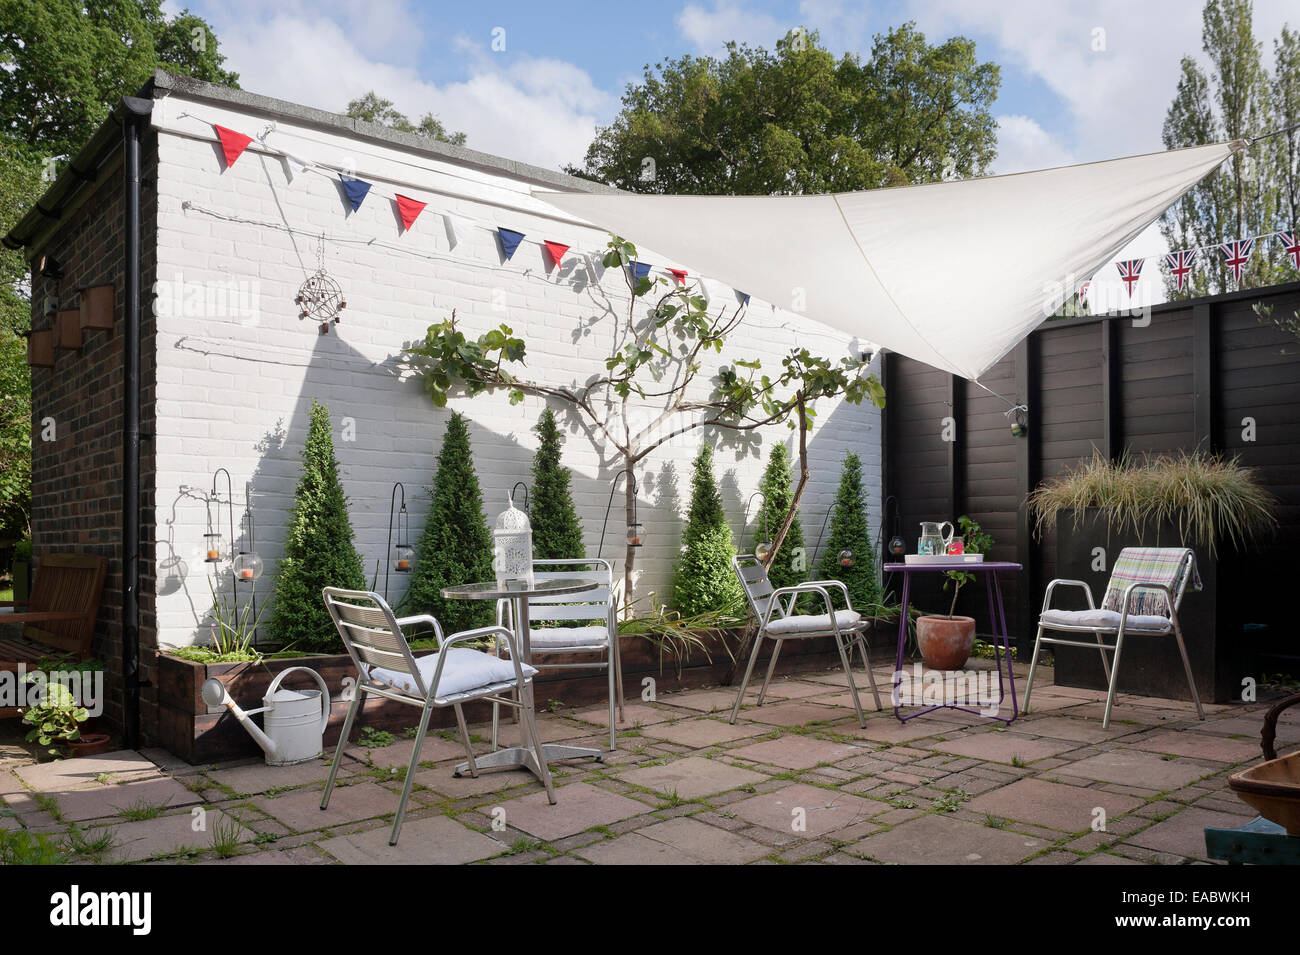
1047,597
841,585
410,621
806,588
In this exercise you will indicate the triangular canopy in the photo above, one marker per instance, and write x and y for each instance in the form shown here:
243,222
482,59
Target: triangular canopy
953,274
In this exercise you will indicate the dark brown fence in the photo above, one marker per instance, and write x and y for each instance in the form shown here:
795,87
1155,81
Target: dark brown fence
1205,373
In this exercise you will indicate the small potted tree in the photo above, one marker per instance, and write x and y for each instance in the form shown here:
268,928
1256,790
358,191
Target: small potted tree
946,641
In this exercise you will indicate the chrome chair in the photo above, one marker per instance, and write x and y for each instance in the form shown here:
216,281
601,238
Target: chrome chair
585,622
452,676
1142,598
777,621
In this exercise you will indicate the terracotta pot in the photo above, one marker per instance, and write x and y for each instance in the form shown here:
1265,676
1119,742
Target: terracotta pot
90,744
946,642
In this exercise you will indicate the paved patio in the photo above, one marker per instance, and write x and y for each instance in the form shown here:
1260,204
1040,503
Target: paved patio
794,781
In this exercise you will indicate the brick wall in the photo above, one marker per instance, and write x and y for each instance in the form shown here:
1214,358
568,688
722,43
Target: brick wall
77,476
234,390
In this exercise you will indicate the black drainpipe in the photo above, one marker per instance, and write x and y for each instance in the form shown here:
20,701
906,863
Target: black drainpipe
136,111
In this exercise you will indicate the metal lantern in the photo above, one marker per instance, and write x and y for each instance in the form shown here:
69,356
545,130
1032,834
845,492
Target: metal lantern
897,546
403,553
762,549
248,567
512,548
212,547
846,558
634,534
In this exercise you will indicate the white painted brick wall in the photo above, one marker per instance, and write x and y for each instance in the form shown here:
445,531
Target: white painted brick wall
235,392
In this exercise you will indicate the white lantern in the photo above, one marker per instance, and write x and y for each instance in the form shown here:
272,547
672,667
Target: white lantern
512,549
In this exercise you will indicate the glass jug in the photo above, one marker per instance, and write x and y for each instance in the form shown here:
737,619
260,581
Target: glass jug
933,540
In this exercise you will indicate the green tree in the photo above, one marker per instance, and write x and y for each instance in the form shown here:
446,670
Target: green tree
787,567
557,533
373,108
66,63
796,120
704,579
455,546
850,532
1286,147
1233,100
319,551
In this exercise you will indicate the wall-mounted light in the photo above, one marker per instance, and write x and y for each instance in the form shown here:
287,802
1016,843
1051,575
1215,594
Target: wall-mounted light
50,268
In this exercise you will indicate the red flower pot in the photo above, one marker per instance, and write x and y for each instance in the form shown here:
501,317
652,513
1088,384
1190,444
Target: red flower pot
945,642
90,744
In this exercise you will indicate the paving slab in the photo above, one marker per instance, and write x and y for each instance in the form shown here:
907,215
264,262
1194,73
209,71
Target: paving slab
1105,858
886,729
1183,834
62,775
149,838
941,840
256,778
579,806
1133,767
435,840
682,841
1003,747
1068,808
701,732
1071,728
444,784
1201,745
703,701
795,714
300,809
796,751
434,749
821,811
693,777
794,690
79,805
633,713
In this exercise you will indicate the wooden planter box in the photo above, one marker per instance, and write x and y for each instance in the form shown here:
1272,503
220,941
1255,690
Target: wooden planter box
197,733
1149,665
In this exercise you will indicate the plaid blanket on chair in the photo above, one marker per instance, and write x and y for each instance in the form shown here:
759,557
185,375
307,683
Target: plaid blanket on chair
1148,565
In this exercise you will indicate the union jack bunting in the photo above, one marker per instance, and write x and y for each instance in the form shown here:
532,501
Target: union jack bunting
1083,290
1291,246
1236,255
1180,265
1129,271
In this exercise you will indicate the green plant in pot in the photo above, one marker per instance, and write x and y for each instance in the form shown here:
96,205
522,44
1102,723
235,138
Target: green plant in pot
56,720
946,640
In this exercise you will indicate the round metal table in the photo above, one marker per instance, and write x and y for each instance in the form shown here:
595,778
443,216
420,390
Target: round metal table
519,757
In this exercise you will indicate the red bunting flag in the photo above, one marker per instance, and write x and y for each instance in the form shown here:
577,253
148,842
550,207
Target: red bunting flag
1129,271
556,249
1291,246
409,210
1236,256
233,144
679,275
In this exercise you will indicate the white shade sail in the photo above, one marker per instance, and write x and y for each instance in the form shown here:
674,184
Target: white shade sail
953,274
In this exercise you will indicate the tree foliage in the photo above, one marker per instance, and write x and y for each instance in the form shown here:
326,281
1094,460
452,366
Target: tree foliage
1257,191
789,566
796,120
851,532
456,545
319,551
704,579
557,532
373,108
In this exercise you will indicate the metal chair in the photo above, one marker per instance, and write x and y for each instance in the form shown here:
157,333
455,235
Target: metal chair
846,626
1142,598
450,677
596,612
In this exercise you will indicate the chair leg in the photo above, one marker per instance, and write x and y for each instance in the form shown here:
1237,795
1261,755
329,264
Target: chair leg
464,735
853,687
1101,652
1033,668
749,671
1187,668
529,720
866,661
771,668
618,675
613,701
496,725
410,774
1114,681
341,746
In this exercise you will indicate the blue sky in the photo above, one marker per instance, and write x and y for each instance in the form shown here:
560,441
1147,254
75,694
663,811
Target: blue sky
1081,81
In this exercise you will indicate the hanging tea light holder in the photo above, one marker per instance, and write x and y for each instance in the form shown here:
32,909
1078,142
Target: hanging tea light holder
635,530
402,554
763,545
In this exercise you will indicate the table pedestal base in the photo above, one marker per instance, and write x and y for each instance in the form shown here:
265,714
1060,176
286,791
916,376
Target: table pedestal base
519,757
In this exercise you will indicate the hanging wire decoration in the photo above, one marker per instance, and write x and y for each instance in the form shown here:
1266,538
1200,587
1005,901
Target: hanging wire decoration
320,297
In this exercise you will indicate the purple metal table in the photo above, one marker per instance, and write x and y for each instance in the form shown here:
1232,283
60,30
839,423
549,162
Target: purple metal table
997,618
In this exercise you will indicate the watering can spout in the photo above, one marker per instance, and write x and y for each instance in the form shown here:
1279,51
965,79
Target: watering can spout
214,694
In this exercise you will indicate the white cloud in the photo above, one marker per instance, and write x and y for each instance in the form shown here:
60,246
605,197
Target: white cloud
1024,145
710,29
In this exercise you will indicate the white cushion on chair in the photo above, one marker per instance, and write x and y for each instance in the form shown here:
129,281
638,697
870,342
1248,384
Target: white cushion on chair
814,623
557,638
1106,620
466,670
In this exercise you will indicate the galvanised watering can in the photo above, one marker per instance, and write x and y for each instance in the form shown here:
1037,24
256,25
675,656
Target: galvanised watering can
295,720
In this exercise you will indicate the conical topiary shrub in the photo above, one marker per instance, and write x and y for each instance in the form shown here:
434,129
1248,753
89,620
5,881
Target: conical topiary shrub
704,579
319,551
790,566
557,534
456,545
850,532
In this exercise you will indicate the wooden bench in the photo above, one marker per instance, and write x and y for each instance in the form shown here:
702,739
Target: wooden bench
59,618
